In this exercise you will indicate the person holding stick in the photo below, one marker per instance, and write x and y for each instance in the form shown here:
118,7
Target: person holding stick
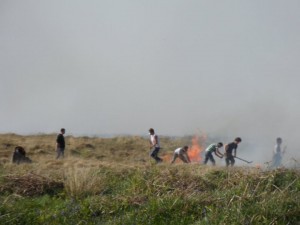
230,151
209,153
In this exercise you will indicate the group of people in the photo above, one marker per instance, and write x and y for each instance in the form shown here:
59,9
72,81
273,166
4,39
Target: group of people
229,154
19,155
182,153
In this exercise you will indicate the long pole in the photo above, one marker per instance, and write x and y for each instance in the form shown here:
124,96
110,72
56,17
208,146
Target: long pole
243,160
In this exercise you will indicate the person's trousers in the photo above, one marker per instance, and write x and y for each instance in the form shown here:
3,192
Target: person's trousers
154,154
60,153
209,156
229,160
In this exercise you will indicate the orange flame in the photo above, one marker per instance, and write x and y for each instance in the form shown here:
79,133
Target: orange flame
194,150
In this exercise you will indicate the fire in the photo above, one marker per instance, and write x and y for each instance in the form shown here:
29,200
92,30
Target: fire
194,151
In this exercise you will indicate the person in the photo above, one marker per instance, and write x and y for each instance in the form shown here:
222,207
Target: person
229,148
210,149
19,156
277,153
182,154
60,143
154,145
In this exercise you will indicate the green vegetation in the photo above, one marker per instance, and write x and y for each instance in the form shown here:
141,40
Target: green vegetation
124,187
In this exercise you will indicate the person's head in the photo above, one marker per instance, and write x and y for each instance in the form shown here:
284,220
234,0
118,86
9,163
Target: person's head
151,131
238,140
220,144
278,140
185,148
63,130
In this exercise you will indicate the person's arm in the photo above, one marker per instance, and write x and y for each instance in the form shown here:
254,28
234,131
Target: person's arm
218,153
57,141
275,150
234,152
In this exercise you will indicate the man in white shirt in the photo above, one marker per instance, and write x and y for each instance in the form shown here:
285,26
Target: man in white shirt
182,154
154,145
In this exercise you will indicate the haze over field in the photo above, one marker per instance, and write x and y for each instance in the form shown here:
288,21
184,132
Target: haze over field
119,67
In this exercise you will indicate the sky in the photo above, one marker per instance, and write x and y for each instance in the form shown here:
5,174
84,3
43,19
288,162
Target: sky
226,68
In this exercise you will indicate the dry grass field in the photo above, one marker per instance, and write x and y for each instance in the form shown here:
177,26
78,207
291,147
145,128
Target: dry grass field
83,156
129,149
114,181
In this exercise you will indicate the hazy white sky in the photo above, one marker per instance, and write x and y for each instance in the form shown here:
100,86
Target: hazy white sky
114,67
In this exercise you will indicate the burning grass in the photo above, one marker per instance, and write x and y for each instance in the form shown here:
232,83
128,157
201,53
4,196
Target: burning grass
128,188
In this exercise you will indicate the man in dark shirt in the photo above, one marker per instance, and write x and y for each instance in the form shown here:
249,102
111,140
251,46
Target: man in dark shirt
60,144
229,148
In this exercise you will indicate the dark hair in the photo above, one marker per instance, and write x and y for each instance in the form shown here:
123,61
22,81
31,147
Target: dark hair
151,130
21,150
62,129
186,147
278,139
220,144
238,139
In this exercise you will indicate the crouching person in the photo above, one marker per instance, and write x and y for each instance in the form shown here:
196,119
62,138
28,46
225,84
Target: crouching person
19,156
182,154
213,148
